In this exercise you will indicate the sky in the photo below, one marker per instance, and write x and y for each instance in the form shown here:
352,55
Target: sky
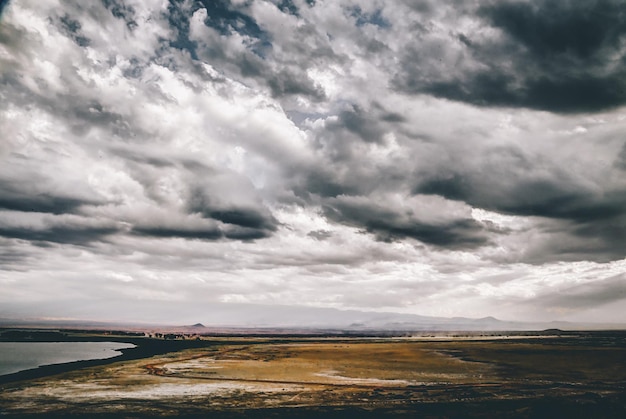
165,160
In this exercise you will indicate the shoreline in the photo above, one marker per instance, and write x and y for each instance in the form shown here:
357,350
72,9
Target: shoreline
144,348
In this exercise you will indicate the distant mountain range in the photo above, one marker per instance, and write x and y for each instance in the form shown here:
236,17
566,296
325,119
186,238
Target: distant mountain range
244,316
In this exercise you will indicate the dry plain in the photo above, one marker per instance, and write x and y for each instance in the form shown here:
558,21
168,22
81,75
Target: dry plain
569,376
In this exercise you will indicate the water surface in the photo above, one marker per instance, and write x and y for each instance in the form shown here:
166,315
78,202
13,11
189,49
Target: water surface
19,356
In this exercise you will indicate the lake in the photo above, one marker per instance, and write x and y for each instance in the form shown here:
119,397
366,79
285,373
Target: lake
19,356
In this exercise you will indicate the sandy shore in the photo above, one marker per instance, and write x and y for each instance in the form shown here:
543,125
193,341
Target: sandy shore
144,348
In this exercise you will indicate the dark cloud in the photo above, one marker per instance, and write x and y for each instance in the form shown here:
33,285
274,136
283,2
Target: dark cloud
121,10
288,82
362,18
451,186
77,235
388,225
595,219
3,4
17,199
12,259
246,234
425,8
212,201
91,113
556,56
72,28
135,69
357,121
142,157
288,6
602,239
78,109
244,222
178,18
346,136
243,218
393,117
189,233
587,295
527,197
549,29
568,94
320,234
326,184
228,18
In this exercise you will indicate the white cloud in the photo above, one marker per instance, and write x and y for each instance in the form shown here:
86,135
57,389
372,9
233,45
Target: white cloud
283,165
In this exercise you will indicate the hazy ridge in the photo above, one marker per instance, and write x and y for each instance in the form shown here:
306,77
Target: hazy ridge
299,318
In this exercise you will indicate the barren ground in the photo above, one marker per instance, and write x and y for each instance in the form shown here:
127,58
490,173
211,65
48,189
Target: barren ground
336,378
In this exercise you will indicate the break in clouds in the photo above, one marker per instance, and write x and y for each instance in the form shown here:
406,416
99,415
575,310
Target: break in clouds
441,158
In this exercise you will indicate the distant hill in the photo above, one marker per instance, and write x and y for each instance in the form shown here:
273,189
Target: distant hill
257,316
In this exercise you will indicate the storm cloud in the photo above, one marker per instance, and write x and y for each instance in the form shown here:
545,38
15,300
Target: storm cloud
442,158
562,57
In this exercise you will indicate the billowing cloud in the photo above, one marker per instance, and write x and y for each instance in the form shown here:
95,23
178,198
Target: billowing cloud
438,158
430,220
562,57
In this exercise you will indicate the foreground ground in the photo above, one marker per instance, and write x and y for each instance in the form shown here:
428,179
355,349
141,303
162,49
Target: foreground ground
573,376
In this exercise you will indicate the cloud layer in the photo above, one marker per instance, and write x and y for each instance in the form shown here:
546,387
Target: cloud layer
437,158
